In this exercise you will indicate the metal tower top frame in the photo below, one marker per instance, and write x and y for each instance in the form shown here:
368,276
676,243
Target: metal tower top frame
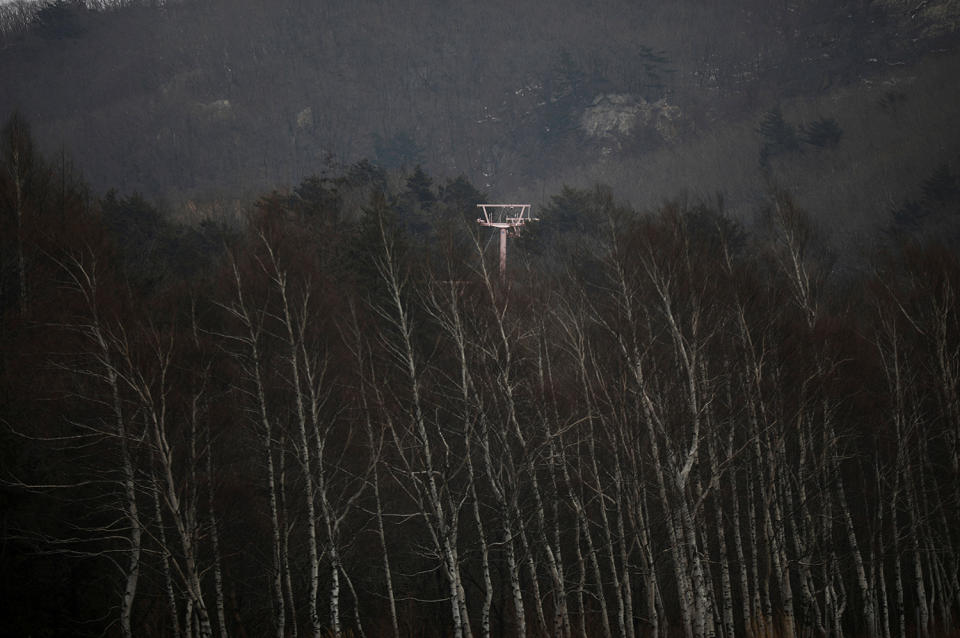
508,218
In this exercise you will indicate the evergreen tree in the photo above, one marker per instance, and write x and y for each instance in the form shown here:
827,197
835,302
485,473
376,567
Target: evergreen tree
941,188
778,135
823,133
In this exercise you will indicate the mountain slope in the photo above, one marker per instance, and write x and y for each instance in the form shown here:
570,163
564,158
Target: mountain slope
201,99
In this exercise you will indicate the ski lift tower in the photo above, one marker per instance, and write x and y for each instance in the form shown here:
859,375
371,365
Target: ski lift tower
509,219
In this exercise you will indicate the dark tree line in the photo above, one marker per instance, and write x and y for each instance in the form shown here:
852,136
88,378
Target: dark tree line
336,420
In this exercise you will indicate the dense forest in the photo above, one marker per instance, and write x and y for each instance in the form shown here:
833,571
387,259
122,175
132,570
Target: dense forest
336,419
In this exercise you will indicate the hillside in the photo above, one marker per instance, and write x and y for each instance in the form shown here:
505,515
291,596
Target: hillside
209,100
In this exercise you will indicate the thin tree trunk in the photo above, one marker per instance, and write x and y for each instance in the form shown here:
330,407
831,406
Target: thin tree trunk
182,524
746,597
762,620
136,538
879,564
581,583
531,564
356,605
287,525
625,580
725,584
898,575
448,314
555,458
303,452
376,444
165,562
188,618
251,340
440,521
514,570
86,282
920,590
484,547
772,514
215,542
18,205
579,345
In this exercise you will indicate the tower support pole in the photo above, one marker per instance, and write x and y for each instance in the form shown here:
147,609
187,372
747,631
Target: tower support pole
503,255
503,217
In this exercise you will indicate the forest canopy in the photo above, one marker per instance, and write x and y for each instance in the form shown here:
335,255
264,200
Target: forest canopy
336,418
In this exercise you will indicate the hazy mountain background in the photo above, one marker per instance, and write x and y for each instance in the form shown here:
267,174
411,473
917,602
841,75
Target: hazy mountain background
849,105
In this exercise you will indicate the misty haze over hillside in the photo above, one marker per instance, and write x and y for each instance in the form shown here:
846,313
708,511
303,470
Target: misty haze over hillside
209,100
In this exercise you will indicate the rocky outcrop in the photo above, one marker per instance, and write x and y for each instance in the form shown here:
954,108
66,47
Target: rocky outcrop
614,117
305,118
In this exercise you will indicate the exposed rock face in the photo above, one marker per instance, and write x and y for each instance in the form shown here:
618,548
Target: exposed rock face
613,117
218,109
666,119
305,118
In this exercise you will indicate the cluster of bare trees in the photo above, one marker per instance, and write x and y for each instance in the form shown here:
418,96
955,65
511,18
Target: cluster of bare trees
681,430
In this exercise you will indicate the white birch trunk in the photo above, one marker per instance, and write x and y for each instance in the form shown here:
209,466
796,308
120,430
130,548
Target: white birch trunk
191,570
165,563
499,488
287,527
866,591
686,347
726,587
920,590
513,569
154,404
531,564
555,465
884,595
625,580
251,340
771,511
440,521
375,449
762,619
85,281
356,605
215,542
303,447
133,557
484,547
376,446
801,526
580,346
746,597
506,383
215,546
335,592
448,313
898,580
